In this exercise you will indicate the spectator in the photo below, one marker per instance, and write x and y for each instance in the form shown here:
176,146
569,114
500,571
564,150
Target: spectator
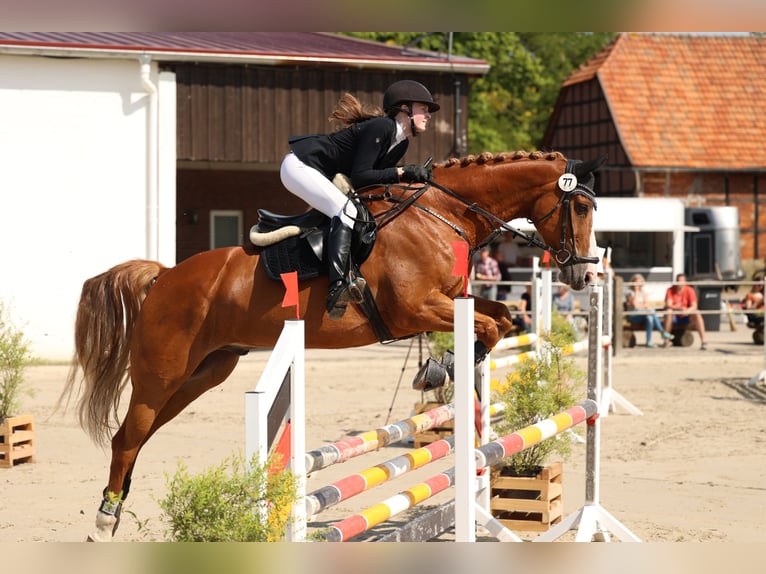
487,269
524,319
636,300
681,308
563,302
753,301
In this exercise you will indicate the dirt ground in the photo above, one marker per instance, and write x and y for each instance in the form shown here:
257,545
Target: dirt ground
691,467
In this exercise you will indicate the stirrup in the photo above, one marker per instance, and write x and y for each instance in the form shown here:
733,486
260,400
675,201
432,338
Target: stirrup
355,289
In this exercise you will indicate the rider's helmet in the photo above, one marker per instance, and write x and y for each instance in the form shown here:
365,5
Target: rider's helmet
406,92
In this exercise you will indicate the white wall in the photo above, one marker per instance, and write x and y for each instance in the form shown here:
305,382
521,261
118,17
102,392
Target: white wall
73,186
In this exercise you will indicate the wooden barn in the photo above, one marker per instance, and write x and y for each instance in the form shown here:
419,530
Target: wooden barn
680,116
161,145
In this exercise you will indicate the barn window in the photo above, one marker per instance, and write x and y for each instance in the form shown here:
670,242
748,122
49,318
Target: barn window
225,228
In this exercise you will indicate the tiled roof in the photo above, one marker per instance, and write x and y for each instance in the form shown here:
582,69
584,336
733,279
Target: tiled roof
271,47
685,101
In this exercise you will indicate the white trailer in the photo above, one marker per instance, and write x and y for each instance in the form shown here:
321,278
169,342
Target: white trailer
646,235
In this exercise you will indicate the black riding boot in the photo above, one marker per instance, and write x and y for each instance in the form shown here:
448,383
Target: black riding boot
341,289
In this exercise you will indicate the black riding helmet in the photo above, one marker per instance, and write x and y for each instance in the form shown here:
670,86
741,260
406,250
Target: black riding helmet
406,92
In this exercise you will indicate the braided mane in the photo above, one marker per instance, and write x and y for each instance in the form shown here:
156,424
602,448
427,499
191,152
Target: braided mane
487,157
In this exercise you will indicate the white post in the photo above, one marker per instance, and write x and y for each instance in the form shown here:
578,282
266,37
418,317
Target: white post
288,354
547,300
483,490
256,427
595,369
296,528
465,462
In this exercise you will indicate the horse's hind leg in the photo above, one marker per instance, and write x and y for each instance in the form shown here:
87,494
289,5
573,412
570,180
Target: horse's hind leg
143,418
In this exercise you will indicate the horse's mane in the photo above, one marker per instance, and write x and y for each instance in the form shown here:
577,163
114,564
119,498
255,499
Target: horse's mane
487,157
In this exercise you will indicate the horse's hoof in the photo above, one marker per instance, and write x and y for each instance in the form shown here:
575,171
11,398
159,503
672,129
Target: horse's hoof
105,526
431,376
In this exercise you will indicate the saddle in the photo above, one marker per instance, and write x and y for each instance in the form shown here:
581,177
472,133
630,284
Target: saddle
297,242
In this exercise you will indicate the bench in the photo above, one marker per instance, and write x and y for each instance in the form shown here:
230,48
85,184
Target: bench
682,334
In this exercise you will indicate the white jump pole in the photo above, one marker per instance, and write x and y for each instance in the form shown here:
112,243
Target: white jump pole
465,461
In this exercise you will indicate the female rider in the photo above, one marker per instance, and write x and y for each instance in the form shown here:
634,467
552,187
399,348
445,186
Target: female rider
367,151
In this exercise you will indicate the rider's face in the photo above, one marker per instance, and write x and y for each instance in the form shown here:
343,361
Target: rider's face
420,116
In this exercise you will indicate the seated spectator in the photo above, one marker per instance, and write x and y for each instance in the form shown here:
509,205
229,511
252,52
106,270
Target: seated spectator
753,301
523,319
636,300
681,308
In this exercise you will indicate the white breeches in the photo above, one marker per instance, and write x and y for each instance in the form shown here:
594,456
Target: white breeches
315,189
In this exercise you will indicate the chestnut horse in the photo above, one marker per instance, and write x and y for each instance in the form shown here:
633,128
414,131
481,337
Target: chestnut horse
177,332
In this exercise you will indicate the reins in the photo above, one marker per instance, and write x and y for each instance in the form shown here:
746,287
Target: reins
562,255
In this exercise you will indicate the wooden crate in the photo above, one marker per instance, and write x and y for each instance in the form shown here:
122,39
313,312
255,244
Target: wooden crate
17,440
424,438
529,504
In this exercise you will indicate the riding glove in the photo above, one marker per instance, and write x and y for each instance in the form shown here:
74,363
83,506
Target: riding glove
415,173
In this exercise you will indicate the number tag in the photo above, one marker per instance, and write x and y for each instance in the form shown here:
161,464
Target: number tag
568,182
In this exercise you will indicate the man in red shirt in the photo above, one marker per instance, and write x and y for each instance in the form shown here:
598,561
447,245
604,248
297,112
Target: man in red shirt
681,307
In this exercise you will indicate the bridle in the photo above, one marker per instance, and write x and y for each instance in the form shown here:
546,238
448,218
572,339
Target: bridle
562,255
565,203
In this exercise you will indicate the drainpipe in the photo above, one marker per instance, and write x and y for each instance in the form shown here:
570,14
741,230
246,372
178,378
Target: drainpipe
458,122
152,194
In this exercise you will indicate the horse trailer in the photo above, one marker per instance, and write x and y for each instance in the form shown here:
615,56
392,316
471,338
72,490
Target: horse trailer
660,238
712,252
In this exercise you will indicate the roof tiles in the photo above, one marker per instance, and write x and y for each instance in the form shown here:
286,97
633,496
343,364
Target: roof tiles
686,101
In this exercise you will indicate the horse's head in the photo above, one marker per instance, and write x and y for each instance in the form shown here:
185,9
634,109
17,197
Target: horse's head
554,193
565,220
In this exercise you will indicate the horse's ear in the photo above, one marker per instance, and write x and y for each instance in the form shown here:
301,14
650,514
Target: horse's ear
584,168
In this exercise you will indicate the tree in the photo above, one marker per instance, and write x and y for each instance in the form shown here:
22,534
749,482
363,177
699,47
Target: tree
509,107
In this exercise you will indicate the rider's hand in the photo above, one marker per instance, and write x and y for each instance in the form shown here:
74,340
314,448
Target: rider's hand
415,173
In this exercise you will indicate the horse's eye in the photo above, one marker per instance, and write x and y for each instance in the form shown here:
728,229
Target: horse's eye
582,209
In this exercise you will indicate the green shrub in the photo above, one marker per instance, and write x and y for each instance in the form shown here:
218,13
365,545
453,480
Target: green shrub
562,331
539,388
14,354
221,506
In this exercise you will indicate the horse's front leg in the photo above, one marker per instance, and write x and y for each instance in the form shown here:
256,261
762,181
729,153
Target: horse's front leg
492,321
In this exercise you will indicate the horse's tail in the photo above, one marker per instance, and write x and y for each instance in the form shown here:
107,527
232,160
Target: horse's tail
108,308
